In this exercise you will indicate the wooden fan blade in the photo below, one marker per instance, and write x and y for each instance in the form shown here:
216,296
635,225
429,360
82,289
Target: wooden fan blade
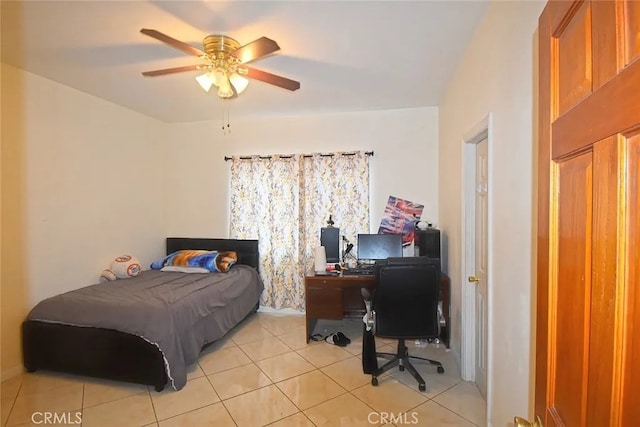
187,48
256,49
272,79
171,70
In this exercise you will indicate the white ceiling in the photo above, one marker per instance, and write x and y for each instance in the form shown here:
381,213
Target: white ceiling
347,55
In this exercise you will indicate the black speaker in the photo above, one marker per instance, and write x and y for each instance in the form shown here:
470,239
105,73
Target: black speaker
427,242
330,239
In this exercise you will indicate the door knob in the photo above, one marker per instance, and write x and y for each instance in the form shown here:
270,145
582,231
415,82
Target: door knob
521,422
473,279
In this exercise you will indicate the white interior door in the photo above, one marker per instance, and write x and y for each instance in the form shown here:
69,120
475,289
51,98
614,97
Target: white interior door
481,199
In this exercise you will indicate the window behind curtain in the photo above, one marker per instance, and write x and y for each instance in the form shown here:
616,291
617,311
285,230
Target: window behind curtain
284,201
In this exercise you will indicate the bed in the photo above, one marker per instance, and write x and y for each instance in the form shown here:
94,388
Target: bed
54,342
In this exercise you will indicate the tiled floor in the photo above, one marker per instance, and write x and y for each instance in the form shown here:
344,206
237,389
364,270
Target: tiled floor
262,373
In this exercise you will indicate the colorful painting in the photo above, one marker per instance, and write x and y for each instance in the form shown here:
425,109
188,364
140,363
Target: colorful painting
400,217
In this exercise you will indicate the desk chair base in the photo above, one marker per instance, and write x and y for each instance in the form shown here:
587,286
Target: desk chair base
402,360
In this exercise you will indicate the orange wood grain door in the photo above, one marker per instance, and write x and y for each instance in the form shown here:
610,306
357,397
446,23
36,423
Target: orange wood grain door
588,295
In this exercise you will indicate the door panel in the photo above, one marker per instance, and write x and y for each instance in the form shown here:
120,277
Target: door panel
606,180
631,11
569,311
630,402
573,56
605,42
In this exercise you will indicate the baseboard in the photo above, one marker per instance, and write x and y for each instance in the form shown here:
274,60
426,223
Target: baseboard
263,309
11,372
457,359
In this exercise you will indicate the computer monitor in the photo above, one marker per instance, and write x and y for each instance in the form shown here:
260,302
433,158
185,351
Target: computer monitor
379,246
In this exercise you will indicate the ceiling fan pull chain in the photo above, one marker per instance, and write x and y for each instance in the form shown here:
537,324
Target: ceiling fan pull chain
225,129
223,118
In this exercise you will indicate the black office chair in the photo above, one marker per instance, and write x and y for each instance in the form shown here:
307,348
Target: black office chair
404,306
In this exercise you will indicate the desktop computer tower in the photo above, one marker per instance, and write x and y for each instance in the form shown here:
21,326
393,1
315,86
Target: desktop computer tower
427,242
330,239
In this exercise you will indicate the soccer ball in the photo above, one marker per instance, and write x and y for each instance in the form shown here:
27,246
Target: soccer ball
122,267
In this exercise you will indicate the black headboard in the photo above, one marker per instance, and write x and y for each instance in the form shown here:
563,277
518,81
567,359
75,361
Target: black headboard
247,250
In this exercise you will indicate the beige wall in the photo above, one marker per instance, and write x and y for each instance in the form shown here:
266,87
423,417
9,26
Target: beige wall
13,285
496,76
82,182
405,163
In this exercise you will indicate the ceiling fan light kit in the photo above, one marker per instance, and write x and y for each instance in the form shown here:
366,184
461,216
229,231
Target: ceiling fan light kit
224,63
228,85
223,67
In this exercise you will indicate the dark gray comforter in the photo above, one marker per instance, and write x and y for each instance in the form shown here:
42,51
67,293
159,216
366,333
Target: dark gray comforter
164,308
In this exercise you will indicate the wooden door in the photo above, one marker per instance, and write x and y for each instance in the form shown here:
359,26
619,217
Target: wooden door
588,301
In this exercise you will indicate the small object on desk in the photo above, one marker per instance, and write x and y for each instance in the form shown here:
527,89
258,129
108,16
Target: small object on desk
320,259
360,271
330,222
327,273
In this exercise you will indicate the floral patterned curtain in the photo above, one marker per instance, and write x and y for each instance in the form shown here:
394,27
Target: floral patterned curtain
283,201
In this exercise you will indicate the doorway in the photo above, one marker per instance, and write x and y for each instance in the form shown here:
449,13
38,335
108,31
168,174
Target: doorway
476,292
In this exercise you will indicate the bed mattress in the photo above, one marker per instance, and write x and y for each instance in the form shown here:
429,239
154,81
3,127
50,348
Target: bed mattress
174,311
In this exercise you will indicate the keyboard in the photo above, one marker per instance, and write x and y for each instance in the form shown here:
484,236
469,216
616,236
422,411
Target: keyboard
360,271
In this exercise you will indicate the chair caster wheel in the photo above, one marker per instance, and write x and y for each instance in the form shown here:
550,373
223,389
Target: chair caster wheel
422,387
440,370
401,368
374,381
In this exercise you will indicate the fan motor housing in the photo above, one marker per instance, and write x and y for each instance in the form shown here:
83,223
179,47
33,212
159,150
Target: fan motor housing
219,46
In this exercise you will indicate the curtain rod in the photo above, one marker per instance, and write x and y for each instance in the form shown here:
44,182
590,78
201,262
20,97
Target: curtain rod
227,158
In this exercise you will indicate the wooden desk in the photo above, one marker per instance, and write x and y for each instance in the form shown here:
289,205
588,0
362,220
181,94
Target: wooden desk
337,297
334,297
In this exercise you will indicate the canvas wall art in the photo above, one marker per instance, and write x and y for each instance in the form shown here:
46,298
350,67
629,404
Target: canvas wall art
400,217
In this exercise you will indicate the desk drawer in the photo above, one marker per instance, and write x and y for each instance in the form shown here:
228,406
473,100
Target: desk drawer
324,302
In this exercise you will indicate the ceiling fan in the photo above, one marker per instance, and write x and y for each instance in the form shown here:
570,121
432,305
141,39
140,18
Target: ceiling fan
224,63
